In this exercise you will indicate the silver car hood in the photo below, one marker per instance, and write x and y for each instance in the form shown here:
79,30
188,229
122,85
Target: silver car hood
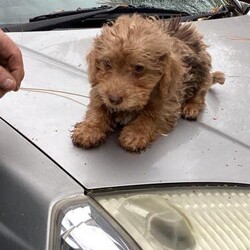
216,148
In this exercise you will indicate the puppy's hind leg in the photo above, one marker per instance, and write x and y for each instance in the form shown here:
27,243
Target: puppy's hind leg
192,107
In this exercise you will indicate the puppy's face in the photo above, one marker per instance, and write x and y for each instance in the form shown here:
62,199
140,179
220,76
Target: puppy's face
126,63
125,80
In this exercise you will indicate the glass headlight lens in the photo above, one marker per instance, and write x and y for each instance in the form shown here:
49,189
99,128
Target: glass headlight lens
84,228
79,223
184,218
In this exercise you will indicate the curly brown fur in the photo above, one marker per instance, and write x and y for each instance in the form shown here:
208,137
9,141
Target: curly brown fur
145,73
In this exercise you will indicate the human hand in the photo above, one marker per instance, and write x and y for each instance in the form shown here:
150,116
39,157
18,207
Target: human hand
11,65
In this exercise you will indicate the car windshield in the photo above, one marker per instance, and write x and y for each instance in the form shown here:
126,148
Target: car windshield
20,11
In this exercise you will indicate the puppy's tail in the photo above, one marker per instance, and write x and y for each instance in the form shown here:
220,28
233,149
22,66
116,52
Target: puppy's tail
218,77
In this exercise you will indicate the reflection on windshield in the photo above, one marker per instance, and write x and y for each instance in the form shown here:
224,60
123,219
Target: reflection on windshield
192,7
19,11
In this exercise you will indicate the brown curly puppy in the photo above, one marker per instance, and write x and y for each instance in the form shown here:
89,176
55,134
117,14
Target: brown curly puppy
145,73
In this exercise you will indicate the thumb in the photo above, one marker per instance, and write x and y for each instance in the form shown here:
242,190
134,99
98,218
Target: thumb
7,81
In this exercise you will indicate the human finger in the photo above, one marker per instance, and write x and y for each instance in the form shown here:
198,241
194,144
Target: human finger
11,58
15,66
7,81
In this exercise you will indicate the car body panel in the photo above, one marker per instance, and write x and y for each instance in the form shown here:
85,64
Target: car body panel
215,148
31,184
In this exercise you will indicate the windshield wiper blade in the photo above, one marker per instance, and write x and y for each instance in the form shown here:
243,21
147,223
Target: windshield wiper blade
68,13
104,13
49,24
120,9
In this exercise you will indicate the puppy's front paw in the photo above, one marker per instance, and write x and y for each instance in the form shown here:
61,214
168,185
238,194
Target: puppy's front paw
87,135
191,111
133,141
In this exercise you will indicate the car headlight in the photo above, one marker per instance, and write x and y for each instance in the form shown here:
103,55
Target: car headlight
79,223
160,218
184,218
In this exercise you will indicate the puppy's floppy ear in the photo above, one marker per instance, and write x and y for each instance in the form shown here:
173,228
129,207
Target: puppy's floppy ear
92,69
173,73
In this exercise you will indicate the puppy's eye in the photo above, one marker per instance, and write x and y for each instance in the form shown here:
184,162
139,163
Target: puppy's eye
104,64
107,64
138,68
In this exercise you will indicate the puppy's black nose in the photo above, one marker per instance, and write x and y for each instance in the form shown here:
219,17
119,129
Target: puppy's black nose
115,99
